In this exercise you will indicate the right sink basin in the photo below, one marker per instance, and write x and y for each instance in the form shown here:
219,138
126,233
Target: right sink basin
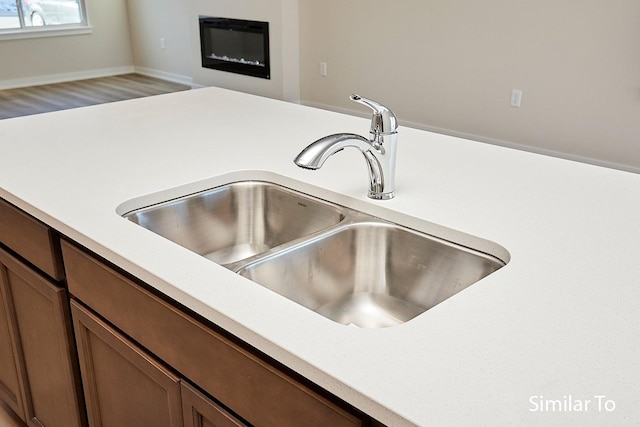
371,274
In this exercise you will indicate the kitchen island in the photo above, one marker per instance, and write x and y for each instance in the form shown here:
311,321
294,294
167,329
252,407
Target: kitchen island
551,338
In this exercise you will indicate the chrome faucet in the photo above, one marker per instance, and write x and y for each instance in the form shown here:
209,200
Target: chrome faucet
379,151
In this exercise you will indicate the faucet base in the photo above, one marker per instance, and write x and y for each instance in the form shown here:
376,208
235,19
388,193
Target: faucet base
380,196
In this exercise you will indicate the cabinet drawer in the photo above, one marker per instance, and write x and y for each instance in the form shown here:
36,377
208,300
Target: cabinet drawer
31,239
247,384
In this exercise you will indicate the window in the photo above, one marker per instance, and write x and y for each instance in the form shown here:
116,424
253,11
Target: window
34,16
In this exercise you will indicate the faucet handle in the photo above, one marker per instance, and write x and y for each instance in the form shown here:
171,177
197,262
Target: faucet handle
383,122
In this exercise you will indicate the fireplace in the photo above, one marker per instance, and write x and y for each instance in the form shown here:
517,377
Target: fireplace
236,46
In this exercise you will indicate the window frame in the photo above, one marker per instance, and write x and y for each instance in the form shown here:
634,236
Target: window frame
28,32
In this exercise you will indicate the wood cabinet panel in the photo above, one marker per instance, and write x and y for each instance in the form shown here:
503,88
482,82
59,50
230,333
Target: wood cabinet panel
11,375
31,239
245,383
199,411
123,386
43,333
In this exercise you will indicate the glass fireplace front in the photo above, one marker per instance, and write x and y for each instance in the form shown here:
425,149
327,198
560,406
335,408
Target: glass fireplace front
236,46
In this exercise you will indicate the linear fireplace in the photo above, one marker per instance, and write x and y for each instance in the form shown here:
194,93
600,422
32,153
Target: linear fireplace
236,46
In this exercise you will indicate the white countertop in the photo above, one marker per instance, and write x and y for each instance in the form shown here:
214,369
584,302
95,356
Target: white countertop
560,322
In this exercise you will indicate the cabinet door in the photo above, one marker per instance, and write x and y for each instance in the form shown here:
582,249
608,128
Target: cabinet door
11,379
199,411
123,385
43,333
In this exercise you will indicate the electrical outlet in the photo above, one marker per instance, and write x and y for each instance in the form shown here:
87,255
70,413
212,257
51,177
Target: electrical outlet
323,69
516,98
163,45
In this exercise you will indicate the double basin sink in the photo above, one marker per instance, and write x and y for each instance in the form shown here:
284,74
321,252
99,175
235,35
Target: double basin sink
349,266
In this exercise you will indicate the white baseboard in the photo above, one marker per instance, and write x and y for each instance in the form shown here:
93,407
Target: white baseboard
171,77
479,138
92,74
65,77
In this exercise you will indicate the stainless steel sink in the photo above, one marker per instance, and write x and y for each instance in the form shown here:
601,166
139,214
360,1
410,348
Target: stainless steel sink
237,221
371,274
351,267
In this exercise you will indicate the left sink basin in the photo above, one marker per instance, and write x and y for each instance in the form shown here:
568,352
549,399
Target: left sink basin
238,220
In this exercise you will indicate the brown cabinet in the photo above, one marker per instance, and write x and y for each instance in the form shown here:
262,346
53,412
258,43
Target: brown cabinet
31,239
36,326
200,411
242,380
123,386
11,379
39,377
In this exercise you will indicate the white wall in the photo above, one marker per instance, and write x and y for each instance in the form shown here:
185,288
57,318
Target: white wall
446,65
450,65
107,50
153,20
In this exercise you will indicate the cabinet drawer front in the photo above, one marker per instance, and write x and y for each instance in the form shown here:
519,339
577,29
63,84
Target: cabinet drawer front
255,390
31,239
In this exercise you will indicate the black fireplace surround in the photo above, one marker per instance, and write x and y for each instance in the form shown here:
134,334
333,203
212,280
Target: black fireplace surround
234,45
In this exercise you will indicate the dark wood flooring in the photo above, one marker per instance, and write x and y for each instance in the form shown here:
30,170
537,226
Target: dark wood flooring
62,96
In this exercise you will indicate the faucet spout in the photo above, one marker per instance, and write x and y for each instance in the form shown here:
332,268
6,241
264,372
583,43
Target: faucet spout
315,154
379,151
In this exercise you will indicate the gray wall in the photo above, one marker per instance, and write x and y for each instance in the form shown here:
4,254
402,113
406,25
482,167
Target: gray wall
450,65
282,17
444,65
153,20
177,23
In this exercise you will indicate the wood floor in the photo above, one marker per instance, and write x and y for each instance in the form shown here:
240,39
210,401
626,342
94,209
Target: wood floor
62,96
